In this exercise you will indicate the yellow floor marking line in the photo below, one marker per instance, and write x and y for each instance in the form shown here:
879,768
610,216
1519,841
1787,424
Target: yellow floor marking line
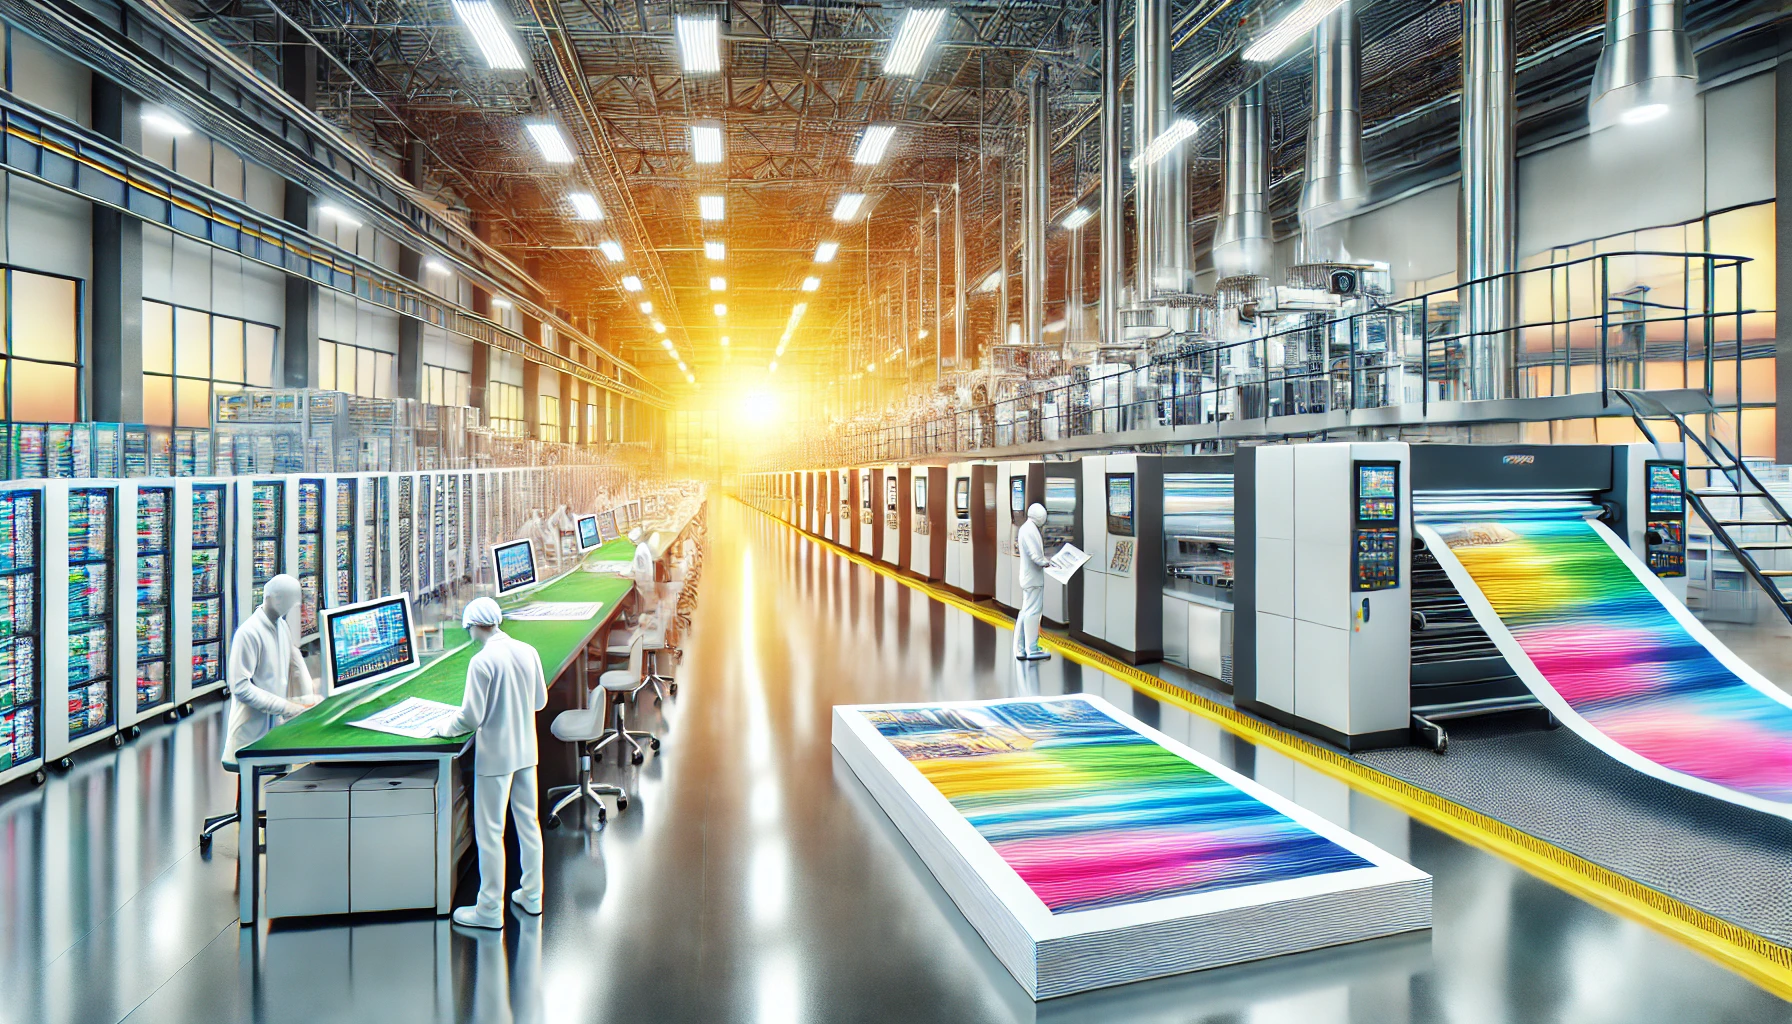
1761,960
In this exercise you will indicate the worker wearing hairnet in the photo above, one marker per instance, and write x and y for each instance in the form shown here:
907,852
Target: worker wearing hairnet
505,688
641,571
1032,585
265,674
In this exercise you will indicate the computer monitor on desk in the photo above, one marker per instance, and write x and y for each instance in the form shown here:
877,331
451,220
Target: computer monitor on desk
588,537
515,563
368,641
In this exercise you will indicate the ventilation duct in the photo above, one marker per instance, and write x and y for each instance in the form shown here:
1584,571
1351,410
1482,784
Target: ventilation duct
1163,195
1242,243
1646,67
1113,232
1036,198
1489,226
1336,183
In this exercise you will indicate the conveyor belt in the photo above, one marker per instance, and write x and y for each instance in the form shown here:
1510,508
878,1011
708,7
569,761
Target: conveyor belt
1604,645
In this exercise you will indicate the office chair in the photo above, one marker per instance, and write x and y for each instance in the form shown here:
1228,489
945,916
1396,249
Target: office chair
619,688
653,631
582,726
216,822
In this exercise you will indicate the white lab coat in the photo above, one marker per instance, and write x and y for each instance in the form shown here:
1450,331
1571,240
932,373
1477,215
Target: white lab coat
264,672
1032,556
505,688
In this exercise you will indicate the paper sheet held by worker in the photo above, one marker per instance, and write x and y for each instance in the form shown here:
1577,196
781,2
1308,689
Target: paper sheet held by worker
413,717
1065,563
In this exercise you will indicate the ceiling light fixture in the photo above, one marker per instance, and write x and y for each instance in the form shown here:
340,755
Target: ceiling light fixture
612,251
715,250
706,142
659,328
848,206
1295,25
718,284
709,207
437,267
913,37
773,368
632,283
1076,218
689,379
873,143
666,343
721,309
500,303
165,122
683,368
489,34
1166,142
724,341
811,284
826,251
699,45
338,214
550,142
584,206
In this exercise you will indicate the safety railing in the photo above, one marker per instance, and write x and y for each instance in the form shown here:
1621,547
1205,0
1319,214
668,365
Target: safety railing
1630,319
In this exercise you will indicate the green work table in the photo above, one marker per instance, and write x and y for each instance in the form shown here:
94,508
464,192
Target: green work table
324,733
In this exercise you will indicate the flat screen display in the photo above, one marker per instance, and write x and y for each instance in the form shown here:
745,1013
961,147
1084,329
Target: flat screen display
921,492
961,497
606,526
588,536
516,565
865,489
1120,503
890,497
368,640
1377,493
1017,494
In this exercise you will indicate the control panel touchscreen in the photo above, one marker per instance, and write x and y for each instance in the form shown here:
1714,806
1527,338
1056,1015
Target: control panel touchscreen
1664,531
1375,534
1120,502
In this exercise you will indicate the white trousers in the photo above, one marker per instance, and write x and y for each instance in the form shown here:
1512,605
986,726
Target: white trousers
491,795
1026,624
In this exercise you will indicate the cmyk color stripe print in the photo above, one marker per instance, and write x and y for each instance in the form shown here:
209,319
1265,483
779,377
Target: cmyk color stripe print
1090,813
1622,662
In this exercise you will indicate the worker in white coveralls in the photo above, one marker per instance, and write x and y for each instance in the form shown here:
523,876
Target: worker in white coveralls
641,571
265,673
1032,562
505,688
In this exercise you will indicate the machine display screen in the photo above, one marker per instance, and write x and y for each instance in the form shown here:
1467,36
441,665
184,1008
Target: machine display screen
1120,502
1664,529
369,640
865,490
961,497
1664,488
1375,537
516,565
890,497
1017,494
606,526
921,493
588,537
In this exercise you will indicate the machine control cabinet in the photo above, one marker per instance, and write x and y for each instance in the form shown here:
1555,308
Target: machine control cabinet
1664,528
1375,529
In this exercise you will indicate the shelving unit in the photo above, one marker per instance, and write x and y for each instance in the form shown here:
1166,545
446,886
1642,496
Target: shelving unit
344,547
92,626
154,551
21,631
310,556
206,610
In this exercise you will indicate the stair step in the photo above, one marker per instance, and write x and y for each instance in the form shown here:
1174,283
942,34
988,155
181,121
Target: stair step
1753,522
1774,545
1717,492
1774,574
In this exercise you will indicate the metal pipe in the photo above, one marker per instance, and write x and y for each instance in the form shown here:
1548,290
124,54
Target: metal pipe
939,309
1036,199
959,306
1113,232
1002,197
1336,182
1488,203
1242,242
1646,66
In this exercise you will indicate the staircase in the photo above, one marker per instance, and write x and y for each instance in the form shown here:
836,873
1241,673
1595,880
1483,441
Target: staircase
1722,490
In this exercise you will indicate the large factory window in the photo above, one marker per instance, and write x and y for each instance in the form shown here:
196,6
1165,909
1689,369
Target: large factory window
41,364
359,371
442,386
190,356
549,423
505,408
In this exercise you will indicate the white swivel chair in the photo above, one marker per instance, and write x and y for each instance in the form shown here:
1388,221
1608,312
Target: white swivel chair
619,688
585,726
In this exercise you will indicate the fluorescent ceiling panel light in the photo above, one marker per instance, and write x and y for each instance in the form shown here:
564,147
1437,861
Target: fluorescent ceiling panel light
992,282
848,206
718,284
647,307
550,142
699,45
873,143
721,309
666,343
1295,25
683,368
1076,218
436,267
500,303
338,214
811,284
724,341
631,283
706,142
1166,142
612,251
489,34
773,368
689,379
826,251
709,207
166,123
913,37
797,311
659,328
715,250
584,206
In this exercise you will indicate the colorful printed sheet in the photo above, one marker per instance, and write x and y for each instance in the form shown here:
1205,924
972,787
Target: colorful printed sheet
1616,657
1091,814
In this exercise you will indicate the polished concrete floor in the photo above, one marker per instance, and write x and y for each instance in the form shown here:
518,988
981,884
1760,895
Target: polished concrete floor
752,879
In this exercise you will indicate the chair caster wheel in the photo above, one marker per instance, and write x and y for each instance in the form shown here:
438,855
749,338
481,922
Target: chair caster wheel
136,731
117,740
674,689
602,815
187,708
636,757
655,744
551,821
171,716
205,842
38,777
66,763
622,803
